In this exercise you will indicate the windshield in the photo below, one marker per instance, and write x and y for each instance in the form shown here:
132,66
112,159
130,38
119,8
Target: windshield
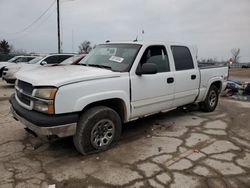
21,59
116,57
13,59
36,60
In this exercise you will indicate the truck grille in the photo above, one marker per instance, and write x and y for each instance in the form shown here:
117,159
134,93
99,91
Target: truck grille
24,99
23,91
26,87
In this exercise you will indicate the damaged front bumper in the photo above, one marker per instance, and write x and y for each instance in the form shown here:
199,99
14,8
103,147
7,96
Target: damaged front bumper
42,124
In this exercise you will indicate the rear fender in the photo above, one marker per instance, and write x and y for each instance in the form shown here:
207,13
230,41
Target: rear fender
210,82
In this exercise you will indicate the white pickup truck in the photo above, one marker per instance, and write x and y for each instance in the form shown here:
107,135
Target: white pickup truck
117,83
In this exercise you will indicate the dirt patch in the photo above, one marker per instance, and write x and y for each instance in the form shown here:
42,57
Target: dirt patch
245,73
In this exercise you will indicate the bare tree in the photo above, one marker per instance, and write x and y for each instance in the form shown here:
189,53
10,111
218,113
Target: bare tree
235,54
85,47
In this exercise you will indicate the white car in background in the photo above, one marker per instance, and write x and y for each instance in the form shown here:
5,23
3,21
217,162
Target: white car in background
9,72
15,60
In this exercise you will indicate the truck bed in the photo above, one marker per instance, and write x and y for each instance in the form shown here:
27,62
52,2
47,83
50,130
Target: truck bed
207,76
211,65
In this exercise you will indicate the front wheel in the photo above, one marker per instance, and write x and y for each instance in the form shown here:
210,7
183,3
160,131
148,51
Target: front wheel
211,100
97,130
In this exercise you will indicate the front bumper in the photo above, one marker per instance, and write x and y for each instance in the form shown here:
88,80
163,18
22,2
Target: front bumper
43,124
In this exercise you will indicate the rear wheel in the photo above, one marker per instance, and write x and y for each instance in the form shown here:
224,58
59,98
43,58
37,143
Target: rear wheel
98,129
211,100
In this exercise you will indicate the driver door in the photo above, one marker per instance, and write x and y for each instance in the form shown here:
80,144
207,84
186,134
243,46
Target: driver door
152,93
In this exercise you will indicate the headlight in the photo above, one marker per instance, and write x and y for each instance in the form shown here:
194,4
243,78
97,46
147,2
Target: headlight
45,100
42,107
46,93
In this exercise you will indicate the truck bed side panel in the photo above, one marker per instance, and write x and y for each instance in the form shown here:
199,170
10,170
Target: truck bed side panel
208,76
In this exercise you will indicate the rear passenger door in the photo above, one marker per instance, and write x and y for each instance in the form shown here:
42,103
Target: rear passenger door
186,76
151,93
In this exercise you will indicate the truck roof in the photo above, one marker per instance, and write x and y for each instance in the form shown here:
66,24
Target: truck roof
147,43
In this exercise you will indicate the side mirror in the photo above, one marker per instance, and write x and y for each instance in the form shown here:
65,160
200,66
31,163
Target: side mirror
147,68
43,63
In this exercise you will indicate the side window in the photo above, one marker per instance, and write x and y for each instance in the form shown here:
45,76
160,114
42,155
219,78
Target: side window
51,59
63,57
30,58
158,56
56,59
182,58
21,59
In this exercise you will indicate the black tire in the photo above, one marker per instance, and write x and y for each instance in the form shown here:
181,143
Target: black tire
1,72
211,100
92,125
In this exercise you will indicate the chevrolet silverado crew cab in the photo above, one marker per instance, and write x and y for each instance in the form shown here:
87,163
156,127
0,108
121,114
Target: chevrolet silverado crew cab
116,83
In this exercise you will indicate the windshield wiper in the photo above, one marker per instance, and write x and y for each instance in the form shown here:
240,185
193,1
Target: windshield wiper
99,66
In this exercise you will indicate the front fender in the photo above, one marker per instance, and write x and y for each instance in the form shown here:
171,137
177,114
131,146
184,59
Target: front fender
84,101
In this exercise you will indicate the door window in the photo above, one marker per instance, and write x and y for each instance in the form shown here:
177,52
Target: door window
182,58
158,56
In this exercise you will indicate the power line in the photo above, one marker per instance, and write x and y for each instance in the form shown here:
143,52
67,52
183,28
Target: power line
35,28
36,20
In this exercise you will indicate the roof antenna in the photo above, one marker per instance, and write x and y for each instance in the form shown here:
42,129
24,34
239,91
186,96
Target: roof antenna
136,39
142,32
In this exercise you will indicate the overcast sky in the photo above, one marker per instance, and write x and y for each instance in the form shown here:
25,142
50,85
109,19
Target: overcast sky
214,26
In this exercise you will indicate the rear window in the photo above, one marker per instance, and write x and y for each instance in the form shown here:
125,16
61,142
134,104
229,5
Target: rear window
182,58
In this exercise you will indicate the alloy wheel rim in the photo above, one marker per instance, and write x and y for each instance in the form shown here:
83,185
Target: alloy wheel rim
102,133
212,98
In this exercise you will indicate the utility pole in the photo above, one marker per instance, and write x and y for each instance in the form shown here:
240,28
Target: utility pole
58,27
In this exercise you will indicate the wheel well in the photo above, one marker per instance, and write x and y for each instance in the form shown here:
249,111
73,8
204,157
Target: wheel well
116,104
217,84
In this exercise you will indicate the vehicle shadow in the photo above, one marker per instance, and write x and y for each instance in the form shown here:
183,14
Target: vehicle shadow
131,131
144,126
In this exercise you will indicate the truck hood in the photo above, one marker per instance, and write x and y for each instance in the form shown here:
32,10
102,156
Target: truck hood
61,75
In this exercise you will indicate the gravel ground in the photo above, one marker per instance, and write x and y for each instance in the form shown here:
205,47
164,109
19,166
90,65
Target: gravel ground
174,149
